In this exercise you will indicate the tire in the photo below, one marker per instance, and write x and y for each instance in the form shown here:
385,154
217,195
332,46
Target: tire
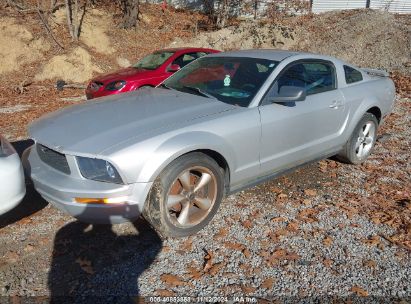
361,142
174,207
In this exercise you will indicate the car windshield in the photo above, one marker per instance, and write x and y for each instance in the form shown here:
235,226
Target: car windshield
153,61
233,80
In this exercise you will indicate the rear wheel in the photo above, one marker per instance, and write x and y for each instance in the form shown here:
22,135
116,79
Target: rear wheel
186,195
362,140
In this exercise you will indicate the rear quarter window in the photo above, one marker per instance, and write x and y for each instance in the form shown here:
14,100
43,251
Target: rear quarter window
352,75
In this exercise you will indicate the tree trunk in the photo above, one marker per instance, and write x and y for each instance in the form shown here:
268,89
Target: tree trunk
76,21
74,18
69,16
130,13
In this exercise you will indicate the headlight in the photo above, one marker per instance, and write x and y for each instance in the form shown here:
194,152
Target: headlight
115,85
6,148
99,170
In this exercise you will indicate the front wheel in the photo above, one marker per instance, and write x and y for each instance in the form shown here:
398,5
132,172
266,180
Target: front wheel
362,140
186,195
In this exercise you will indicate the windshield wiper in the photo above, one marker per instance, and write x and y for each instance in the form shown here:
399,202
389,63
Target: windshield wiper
199,91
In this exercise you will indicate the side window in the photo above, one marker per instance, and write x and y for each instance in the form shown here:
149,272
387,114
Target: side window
185,59
293,76
320,77
201,54
352,75
314,77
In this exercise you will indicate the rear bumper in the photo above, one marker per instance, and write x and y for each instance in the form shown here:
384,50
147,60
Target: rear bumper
61,189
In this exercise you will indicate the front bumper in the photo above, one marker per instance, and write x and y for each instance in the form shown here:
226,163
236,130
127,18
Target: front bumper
61,189
90,94
12,185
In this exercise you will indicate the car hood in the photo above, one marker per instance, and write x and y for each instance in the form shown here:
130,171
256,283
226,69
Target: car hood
95,126
124,74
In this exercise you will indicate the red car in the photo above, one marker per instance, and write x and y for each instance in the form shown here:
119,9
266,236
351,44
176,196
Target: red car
148,72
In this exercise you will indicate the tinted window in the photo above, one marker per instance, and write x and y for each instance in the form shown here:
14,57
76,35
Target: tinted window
233,80
201,54
185,59
314,77
153,61
352,75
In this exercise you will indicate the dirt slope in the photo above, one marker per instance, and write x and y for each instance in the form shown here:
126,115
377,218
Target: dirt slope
366,38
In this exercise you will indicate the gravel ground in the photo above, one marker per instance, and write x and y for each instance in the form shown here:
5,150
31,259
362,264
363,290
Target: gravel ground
328,229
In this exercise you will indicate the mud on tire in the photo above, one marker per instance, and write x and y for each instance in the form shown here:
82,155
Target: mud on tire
185,196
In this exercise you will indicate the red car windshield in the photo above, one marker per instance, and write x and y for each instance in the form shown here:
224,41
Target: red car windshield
153,61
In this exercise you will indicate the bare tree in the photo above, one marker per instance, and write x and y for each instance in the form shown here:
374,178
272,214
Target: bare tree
219,11
74,17
131,11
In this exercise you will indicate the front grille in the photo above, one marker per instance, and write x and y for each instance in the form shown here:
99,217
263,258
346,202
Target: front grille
54,159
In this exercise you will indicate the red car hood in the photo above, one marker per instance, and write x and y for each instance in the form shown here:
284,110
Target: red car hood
125,74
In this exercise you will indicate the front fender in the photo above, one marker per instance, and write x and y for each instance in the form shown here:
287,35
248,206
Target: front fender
181,144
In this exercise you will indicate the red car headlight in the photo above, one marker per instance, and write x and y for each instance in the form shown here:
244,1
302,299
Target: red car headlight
115,85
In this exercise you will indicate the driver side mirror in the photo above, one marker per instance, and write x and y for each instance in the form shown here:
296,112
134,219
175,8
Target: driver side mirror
173,68
289,94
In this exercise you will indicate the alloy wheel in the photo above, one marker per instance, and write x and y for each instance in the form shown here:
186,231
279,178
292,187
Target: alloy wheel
191,196
365,139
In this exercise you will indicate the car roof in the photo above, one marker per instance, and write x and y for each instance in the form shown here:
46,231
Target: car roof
181,49
271,54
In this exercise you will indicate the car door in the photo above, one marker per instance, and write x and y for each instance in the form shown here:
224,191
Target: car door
296,132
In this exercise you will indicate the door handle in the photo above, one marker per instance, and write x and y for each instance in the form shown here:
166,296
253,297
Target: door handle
335,104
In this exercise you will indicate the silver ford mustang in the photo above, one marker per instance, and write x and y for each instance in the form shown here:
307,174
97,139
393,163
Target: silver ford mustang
224,122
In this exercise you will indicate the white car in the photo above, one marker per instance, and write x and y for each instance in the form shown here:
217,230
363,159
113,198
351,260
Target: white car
12,185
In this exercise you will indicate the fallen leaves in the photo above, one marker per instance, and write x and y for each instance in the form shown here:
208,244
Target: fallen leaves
234,246
222,233
327,241
208,260
194,273
172,280
280,255
370,263
11,257
247,253
278,219
216,268
328,263
248,289
85,265
308,215
323,166
247,224
359,291
164,293
209,266
349,211
29,248
293,226
187,245
310,192
267,283
282,196
372,241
